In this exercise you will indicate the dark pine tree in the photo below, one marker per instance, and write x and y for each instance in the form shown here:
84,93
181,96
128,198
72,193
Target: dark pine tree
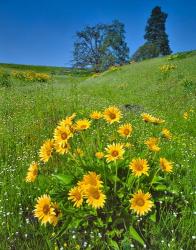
155,31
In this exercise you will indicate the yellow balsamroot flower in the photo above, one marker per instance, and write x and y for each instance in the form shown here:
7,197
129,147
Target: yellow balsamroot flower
32,172
96,115
166,133
92,179
141,203
45,151
99,155
112,114
43,209
95,197
157,121
114,152
68,120
76,196
125,130
82,124
57,214
61,147
166,166
152,144
147,117
62,134
186,115
139,167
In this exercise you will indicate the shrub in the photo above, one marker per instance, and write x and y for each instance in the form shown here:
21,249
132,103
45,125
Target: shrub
5,79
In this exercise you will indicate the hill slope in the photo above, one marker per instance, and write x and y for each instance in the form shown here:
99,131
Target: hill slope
30,111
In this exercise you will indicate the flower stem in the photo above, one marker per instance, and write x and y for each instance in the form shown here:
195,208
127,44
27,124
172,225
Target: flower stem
154,177
116,168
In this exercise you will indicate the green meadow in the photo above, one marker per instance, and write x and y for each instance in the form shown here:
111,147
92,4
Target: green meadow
30,111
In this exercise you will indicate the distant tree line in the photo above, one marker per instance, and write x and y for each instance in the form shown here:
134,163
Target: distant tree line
103,45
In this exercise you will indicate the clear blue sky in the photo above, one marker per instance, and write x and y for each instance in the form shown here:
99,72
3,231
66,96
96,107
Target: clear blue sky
41,32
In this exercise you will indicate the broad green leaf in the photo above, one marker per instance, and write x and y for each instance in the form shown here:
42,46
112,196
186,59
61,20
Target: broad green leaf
114,178
65,179
135,235
157,179
160,187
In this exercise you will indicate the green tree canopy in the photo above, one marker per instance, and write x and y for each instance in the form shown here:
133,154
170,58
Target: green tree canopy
146,51
101,46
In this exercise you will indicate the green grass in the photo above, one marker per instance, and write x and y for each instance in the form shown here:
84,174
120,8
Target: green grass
29,113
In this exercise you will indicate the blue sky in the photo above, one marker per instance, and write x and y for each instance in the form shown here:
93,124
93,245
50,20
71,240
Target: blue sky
42,32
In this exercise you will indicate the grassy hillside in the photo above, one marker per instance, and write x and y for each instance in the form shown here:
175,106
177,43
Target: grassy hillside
42,69
29,113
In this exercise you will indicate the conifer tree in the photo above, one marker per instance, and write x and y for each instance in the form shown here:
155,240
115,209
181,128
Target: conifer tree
155,31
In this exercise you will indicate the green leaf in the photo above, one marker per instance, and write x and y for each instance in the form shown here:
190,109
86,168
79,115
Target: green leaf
157,179
135,235
160,187
113,178
120,195
153,217
130,180
113,244
109,220
64,179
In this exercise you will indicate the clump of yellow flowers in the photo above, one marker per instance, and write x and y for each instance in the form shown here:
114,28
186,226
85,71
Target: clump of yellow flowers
31,76
100,174
167,68
89,188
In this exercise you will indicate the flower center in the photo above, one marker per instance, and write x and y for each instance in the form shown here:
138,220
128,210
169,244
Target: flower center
48,152
115,153
83,126
96,194
140,202
46,209
139,167
112,116
126,131
92,181
64,136
35,172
